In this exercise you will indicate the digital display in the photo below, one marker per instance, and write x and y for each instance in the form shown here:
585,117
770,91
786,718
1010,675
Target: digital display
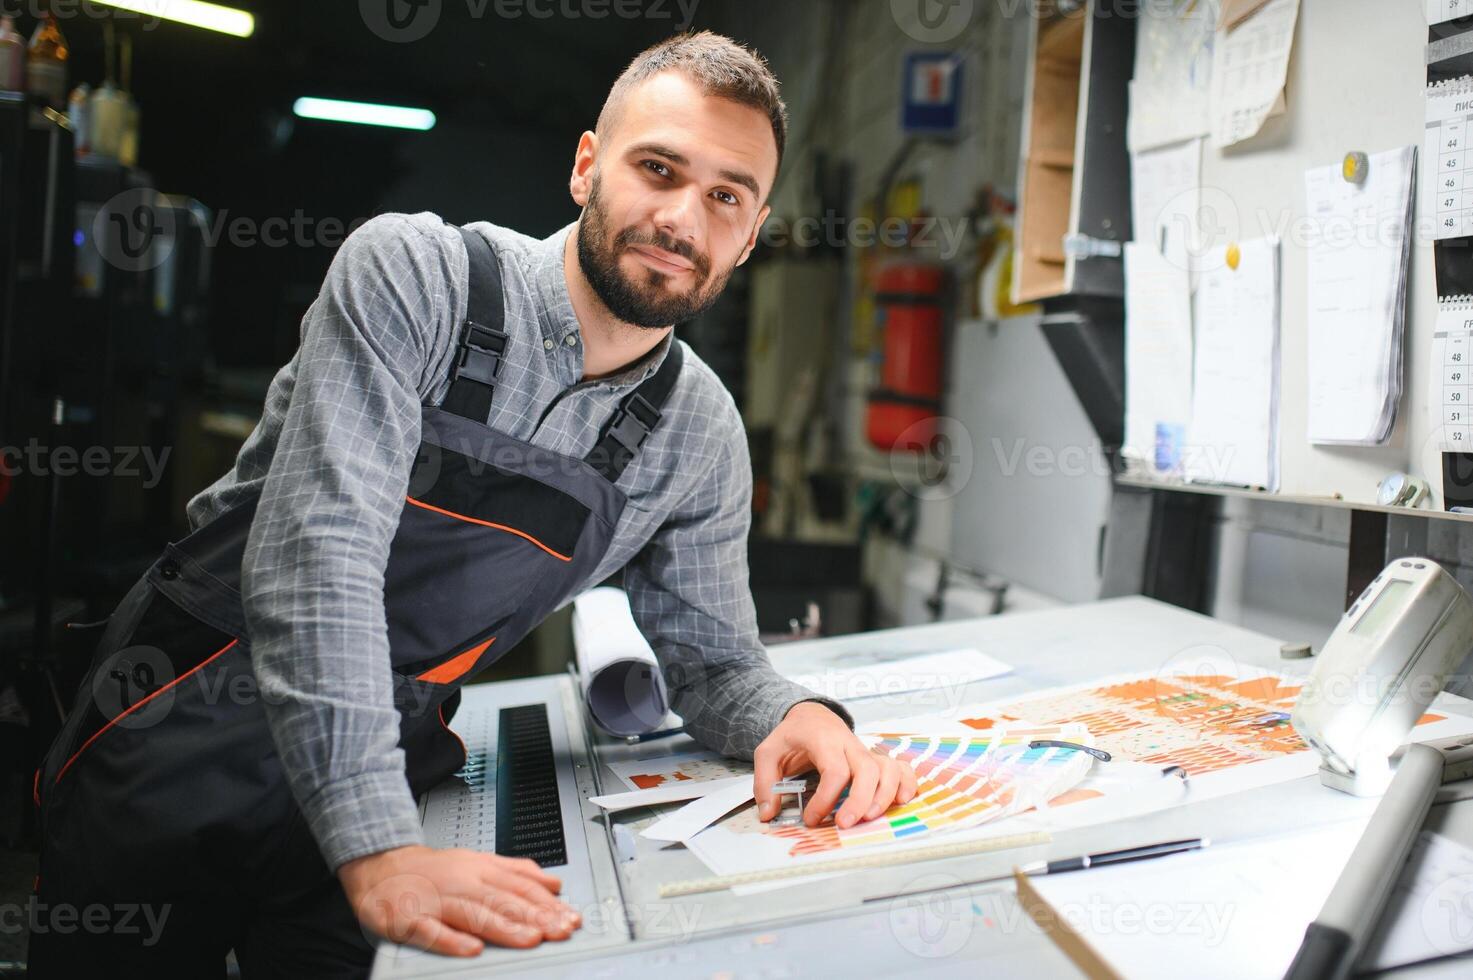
1383,608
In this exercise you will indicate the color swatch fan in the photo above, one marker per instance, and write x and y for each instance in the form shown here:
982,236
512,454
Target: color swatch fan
963,781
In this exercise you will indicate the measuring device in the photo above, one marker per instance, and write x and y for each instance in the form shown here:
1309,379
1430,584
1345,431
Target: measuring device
934,852
1388,658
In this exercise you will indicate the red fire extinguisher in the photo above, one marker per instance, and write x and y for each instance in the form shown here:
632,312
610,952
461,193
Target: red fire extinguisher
909,297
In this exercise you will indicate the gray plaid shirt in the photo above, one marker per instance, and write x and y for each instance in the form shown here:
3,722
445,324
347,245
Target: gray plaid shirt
331,460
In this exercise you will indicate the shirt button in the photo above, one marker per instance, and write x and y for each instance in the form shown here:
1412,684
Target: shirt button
547,343
169,569
571,340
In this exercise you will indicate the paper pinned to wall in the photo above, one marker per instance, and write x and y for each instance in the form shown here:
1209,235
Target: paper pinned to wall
1170,95
1166,195
1233,437
1357,297
1158,355
1234,12
1250,63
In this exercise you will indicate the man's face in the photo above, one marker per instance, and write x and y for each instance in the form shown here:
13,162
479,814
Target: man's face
673,197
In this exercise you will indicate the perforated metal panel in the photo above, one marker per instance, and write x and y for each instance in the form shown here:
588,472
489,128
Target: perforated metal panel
521,794
529,821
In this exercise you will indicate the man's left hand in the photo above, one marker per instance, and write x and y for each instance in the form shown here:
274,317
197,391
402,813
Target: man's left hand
813,737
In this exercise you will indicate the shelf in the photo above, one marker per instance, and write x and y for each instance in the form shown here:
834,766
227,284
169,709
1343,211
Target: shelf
1145,483
1058,159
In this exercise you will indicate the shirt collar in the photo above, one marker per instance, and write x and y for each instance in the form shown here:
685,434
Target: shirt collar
555,313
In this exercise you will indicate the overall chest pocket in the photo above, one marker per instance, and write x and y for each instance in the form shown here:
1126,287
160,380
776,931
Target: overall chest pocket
474,541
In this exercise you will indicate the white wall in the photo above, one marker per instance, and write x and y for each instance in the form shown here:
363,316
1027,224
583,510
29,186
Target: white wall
1278,568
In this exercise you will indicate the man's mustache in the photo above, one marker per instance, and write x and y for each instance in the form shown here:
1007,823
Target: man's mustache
687,251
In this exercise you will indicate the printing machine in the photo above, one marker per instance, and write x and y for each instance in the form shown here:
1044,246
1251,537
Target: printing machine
534,761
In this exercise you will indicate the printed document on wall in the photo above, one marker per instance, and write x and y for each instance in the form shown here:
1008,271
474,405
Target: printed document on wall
1357,297
1158,356
1234,434
1250,63
1166,194
1171,93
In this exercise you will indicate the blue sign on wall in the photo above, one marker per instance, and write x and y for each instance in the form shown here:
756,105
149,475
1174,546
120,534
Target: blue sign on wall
931,93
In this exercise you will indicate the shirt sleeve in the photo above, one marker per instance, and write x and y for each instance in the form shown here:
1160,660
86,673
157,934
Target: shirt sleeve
313,569
691,598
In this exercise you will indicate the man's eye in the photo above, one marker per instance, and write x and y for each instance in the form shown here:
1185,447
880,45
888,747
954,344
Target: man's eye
657,167
727,197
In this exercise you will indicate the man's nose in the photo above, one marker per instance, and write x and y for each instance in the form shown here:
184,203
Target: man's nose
680,215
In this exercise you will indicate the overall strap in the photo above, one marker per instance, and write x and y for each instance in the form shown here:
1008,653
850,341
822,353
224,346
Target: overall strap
482,339
636,418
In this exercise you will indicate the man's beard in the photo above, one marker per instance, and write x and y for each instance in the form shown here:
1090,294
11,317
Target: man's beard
641,300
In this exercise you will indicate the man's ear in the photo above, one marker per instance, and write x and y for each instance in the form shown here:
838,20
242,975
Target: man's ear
756,227
580,184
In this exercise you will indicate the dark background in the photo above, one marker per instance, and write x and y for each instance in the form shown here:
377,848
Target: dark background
511,96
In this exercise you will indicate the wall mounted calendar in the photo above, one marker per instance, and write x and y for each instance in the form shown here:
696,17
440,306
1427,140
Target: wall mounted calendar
1448,173
1452,382
1439,11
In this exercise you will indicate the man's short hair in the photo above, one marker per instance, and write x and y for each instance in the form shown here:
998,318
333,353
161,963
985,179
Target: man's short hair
721,66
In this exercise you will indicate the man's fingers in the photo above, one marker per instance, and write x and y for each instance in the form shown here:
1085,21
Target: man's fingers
526,885
864,777
429,932
534,892
550,923
765,772
490,923
526,868
833,776
907,784
887,789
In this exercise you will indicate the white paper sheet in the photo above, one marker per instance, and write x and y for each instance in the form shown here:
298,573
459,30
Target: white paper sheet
947,668
668,793
1170,96
680,767
1357,297
695,817
1166,197
1441,11
616,668
1233,437
1250,63
1431,911
1237,911
1158,356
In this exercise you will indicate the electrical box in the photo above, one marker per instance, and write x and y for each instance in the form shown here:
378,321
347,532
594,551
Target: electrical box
931,93
1074,173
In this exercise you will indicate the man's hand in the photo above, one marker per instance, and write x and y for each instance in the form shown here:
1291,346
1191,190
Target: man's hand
450,901
813,737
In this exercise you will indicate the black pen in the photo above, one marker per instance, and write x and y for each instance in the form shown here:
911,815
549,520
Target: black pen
1066,864
1113,857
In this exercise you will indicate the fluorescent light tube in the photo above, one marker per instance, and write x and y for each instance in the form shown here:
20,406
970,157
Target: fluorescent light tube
195,13
364,113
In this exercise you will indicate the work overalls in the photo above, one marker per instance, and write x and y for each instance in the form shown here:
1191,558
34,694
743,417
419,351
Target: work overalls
164,794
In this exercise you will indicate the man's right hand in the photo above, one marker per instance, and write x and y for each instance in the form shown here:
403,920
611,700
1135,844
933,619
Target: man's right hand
450,901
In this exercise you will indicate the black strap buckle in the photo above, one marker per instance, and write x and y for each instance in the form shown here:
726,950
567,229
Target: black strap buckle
480,353
637,418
